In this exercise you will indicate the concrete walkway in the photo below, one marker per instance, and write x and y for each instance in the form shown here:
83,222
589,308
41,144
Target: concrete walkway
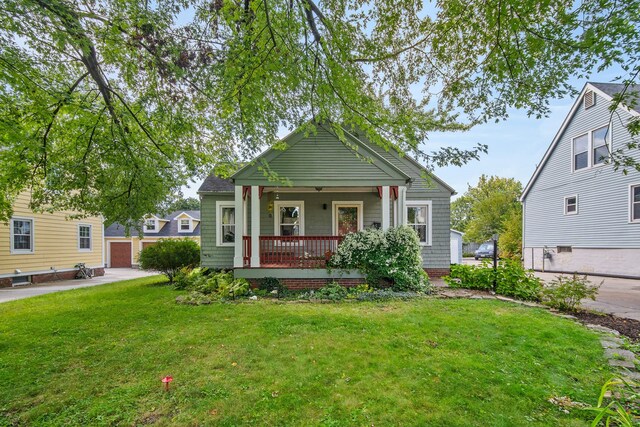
620,297
110,275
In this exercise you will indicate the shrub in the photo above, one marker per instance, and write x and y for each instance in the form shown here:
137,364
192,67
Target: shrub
332,291
511,279
565,293
271,284
514,281
393,255
168,256
470,277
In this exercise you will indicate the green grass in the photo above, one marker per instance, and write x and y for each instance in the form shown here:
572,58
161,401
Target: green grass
96,356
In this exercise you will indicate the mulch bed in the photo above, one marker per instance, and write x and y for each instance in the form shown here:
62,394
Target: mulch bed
627,327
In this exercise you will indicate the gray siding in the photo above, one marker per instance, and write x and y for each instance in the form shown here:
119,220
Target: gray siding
603,194
213,256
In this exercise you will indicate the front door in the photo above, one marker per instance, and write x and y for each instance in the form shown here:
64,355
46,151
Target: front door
347,218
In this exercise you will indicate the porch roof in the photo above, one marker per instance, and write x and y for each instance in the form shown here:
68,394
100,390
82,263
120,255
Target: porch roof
322,160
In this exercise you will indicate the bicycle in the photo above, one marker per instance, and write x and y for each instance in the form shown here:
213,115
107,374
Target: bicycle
84,272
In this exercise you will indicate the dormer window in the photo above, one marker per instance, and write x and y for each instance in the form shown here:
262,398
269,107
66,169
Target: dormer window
185,225
151,225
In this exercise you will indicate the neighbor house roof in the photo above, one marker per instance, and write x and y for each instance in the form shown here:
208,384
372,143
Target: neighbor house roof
605,90
213,184
170,229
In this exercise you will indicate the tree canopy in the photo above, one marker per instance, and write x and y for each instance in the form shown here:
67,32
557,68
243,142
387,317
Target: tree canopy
110,106
488,207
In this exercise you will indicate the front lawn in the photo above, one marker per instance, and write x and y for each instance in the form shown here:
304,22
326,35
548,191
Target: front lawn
96,357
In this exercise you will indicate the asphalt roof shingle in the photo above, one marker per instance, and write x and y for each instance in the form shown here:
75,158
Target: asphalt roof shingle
614,88
216,184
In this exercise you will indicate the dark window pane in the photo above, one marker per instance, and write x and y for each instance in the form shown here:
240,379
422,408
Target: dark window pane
85,243
636,211
636,194
581,160
228,234
22,242
422,232
600,154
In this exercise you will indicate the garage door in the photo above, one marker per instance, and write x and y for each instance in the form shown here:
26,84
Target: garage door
120,255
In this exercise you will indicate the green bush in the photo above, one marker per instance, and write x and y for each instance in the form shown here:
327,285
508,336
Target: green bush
168,256
215,285
511,279
565,293
332,292
514,281
470,277
393,256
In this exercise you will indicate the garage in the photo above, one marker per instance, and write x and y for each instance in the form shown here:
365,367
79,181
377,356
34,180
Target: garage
120,255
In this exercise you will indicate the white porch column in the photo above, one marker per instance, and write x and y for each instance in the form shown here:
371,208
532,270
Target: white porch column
239,232
402,205
385,208
255,226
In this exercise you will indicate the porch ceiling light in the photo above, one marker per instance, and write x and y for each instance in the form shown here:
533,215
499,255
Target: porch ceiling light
318,188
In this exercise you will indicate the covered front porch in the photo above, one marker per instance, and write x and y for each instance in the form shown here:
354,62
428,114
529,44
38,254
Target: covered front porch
301,227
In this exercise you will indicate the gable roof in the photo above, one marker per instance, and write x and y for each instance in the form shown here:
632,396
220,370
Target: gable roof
169,230
606,91
322,159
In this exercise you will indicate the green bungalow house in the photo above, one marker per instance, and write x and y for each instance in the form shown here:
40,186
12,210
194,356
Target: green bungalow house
263,229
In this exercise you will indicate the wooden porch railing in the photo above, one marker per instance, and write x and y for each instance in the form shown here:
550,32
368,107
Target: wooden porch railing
297,251
292,251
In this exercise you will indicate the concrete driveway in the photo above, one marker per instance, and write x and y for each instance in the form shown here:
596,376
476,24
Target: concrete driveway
110,275
620,297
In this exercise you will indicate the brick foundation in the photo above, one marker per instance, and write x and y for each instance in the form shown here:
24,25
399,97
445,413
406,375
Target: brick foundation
436,273
6,282
297,284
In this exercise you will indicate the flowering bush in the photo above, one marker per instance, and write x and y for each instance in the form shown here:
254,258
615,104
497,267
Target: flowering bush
393,255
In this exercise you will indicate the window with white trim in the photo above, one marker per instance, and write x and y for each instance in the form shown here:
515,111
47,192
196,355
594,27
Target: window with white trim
419,218
289,218
581,152
150,225
571,205
84,237
226,223
591,149
21,235
635,203
185,225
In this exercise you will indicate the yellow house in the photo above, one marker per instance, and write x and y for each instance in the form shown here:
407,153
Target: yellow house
123,250
40,247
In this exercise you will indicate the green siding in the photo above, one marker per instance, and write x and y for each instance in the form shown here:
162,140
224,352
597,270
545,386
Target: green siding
211,255
321,159
317,221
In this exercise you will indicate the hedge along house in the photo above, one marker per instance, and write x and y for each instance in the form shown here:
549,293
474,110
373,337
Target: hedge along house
262,229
